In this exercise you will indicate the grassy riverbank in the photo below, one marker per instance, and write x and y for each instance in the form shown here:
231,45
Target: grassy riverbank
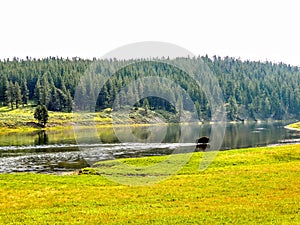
21,119
294,126
246,186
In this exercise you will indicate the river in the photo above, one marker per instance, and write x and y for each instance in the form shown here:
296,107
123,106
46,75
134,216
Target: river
59,151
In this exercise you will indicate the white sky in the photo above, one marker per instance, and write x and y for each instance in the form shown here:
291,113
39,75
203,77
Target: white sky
249,29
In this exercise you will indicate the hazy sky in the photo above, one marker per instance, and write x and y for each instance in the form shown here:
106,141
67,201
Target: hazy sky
249,29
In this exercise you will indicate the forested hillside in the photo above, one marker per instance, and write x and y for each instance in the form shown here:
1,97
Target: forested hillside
251,90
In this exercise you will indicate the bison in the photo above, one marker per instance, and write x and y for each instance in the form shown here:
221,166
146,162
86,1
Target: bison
202,140
202,143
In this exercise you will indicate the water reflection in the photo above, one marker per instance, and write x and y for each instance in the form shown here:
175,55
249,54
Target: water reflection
54,151
41,138
202,147
141,133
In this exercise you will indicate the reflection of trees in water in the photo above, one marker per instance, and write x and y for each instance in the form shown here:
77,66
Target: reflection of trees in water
142,133
169,134
173,134
41,138
251,135
107,136
236,136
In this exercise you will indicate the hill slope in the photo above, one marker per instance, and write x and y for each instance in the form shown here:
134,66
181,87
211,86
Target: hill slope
251,90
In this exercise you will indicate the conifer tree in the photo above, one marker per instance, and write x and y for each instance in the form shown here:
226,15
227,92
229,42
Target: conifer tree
17,94
45,91
38,92
3,91
24,92
41,114
69,102
10,93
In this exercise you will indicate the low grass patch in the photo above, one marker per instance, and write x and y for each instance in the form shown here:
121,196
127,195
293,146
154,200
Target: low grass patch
247,186
294,125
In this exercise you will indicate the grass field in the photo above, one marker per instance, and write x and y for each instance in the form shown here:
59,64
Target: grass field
247,186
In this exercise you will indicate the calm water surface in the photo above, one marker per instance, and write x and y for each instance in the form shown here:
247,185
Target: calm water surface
58,151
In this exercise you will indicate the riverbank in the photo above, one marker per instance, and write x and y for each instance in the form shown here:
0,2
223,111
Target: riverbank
245,186
22,119
294,126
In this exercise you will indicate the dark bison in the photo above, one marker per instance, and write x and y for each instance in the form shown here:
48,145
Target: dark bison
202,143
202,140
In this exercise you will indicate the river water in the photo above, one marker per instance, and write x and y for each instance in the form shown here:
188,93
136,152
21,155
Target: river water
59,151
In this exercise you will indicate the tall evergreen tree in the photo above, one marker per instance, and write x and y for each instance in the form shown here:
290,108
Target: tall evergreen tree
54,103
45,90
24,92
17,94
10,93
69,102
3,91
38,92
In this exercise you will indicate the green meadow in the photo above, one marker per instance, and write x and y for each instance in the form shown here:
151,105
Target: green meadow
245,186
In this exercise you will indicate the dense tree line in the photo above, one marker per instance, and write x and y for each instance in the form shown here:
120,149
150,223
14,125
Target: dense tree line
50,82
251,90
258,90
